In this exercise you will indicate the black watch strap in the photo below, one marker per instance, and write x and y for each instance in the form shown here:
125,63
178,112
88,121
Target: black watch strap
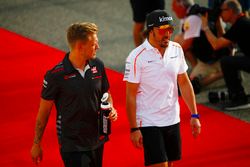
134,129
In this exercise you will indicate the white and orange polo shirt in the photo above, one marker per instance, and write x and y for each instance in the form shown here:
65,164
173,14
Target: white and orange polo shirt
157,96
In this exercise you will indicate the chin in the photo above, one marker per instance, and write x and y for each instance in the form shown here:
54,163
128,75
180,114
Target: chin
164,44
93,57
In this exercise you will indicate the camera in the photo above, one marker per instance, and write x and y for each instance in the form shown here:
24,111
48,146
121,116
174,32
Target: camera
204,10
213,13
197,9
217,97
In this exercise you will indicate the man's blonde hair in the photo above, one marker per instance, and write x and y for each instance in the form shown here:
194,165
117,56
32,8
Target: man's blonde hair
80,31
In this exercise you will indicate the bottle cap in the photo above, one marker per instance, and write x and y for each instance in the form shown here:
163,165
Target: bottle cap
105,97
105,106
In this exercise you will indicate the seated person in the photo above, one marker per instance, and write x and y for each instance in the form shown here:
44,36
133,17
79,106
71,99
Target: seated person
203,58
238,33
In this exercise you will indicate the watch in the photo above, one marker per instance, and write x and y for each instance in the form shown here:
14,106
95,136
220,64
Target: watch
134,129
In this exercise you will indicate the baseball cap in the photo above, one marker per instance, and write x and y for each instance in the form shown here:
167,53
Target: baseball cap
159,18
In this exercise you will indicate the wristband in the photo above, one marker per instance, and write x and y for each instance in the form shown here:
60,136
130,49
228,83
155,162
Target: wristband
195,116
134,129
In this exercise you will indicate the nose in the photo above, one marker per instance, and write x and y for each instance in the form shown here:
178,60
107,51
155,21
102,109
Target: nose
97,46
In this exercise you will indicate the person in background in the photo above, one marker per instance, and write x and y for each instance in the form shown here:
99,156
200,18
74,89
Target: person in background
245,4
140,9
152,73
231,12
76,86
203,59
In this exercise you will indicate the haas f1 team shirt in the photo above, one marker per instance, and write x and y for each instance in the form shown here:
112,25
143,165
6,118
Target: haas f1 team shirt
77,99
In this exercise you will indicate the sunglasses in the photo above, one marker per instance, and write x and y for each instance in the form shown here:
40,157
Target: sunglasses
165,28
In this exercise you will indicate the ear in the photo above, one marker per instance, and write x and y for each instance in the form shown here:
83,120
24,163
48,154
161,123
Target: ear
79,44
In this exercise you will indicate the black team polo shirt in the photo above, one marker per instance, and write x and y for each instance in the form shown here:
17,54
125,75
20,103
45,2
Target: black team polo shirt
77,102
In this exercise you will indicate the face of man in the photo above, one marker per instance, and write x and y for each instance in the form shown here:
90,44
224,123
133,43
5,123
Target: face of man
161,35
226,13
90,46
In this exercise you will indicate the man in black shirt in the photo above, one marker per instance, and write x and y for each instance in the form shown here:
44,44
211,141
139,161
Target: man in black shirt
231,12
76,86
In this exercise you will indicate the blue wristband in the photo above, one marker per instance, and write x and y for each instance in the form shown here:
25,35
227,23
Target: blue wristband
195,116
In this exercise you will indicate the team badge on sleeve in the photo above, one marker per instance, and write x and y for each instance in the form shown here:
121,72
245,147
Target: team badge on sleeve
127,70
45,83
186,26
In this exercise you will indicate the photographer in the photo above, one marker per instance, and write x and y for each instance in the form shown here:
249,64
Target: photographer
231,12
198,51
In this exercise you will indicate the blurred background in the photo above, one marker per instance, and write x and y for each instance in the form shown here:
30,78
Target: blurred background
46,21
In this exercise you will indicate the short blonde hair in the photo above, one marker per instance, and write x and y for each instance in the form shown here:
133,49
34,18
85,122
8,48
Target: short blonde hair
80,31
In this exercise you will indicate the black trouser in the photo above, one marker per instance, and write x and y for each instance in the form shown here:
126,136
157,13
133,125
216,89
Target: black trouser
231,67
91,158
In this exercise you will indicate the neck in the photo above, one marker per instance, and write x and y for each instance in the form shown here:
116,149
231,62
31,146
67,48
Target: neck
157,46
162,51
77,60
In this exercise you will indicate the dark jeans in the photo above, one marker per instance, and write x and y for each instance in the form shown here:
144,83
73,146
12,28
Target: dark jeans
91,158
231,67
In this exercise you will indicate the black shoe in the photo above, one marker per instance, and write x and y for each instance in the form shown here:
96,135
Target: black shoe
238,103
237,106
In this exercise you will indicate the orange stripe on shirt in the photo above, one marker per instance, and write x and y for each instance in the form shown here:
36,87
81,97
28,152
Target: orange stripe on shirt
136,60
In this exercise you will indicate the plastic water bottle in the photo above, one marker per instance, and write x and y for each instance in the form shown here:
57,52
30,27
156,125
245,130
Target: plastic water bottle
104,114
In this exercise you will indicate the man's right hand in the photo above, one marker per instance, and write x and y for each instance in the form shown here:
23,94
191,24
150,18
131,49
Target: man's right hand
136,138
36,153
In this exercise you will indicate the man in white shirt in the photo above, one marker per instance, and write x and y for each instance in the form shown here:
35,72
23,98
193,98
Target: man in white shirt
152,73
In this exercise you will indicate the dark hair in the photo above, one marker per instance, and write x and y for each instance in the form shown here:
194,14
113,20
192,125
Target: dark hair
146,32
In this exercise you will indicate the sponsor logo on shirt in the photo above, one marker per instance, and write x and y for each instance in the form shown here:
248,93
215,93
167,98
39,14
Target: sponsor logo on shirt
69,76
96,77
151,61
173,57
126,74
94,70
186,26
45,83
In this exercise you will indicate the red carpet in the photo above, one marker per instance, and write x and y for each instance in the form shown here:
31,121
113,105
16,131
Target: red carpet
224,142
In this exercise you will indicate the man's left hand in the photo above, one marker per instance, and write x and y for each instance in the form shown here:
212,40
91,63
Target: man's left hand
195,126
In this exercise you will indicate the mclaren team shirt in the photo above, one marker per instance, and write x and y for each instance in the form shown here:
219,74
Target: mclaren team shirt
157,96
77,100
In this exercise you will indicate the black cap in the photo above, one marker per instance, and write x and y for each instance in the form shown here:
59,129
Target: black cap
158,18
